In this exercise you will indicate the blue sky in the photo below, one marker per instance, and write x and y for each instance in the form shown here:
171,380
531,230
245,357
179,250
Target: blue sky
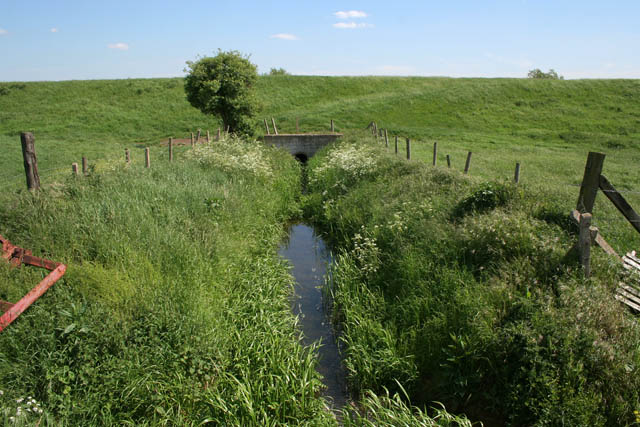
72,39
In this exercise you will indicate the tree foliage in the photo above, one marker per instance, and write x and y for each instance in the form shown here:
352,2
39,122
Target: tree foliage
539,74
278,72
223,86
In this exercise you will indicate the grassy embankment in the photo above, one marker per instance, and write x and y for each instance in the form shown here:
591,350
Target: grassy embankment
462,292
548,126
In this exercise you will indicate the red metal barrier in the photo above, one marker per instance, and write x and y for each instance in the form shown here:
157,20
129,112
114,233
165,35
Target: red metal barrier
18,256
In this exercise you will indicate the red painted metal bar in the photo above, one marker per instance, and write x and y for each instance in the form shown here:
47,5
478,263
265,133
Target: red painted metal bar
17,256
35,293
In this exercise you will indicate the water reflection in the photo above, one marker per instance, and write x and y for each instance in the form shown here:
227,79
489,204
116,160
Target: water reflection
309,257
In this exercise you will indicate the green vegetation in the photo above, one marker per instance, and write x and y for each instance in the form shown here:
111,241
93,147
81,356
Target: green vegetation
537,73
457,289
223,86
174,308
463,292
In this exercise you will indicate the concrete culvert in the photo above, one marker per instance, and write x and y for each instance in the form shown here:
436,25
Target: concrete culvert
301,157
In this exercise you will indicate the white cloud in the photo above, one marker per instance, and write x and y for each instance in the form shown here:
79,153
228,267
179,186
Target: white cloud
351,25
119,46
3,32
54,30
347,14
283,36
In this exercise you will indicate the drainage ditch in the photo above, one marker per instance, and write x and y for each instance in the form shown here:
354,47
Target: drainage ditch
309,257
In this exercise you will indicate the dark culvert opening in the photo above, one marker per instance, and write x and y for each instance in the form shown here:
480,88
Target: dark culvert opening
302,158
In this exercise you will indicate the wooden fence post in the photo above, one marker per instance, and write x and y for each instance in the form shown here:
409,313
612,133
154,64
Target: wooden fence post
30,161
516,177
408,149
74,169
584,243
332,128
218,137
375,129
275,129
448,161
208,137
127,156
198,137
85,166
468,163
171,149
590,182
435,152
266,126
386,139
396,145
147,158
192,139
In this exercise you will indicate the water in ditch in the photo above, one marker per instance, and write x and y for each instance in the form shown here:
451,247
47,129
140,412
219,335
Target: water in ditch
309,257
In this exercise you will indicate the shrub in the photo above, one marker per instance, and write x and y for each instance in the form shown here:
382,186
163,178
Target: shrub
539,74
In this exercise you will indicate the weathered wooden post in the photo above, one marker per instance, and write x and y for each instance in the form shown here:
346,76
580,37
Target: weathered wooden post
171,149
590,182
468,163
74,169
30,161
192,139
208,137
198,137
448,161
516,176
127,156
275,129
332,128
147,158
584,243
396,145
408,149
375,129
386,139
435,152
297,127
218,137
266,126
85,166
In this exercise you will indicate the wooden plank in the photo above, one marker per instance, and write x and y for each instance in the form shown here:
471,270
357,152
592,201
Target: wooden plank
584,244
620,203
575,215
631,290
623,300
631,262
590,182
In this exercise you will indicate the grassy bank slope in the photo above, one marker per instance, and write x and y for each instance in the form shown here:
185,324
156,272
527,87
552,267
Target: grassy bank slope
495,116
465,293
174,309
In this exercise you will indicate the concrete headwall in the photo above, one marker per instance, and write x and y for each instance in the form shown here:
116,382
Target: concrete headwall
302,143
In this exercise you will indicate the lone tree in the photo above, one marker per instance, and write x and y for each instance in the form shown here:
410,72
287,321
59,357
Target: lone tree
223,85
539,74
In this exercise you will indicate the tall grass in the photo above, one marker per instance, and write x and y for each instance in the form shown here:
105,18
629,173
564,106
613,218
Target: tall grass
466,292
175,308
